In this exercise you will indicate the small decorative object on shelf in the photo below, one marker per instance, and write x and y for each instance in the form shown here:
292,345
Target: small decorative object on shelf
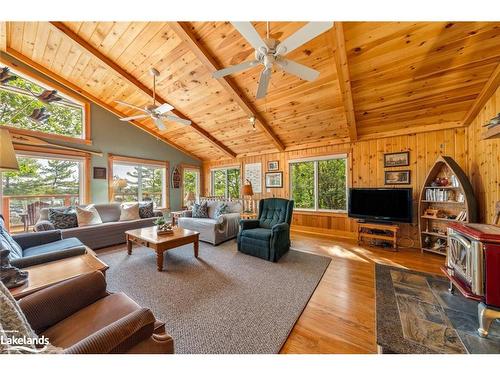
446,197
163,226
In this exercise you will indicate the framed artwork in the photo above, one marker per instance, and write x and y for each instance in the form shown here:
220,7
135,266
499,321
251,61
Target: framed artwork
274,179
253,173
100,173
397,159
397,177
176,178
273,165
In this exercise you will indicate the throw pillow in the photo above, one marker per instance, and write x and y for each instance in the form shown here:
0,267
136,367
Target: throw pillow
63,218
7,242
200,210
221,209
146,210
88,216
129,212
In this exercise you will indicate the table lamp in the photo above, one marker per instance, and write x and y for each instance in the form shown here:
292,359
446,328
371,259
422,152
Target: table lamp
189,198
248,192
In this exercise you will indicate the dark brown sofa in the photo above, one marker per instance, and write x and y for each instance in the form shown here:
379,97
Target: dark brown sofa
81,317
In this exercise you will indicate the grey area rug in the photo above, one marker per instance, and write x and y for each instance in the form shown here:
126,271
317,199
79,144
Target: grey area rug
417,314
222,302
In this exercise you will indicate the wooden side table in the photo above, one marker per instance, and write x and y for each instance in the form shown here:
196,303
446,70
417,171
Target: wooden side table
373,231
248,215
176,215
44,275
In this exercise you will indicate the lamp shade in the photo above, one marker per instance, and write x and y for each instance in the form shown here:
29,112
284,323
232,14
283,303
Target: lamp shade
189,196
8,161
247,189
120,183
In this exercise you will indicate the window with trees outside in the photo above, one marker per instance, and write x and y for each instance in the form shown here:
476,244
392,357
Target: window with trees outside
138,182
226,182
29,105
190,183
41,181
319,184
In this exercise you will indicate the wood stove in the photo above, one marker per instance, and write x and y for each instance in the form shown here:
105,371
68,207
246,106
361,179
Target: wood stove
473,267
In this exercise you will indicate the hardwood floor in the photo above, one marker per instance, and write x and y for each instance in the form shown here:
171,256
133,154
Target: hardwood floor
340,316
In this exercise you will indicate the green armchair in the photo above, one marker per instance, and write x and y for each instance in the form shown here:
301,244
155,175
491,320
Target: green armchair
267,237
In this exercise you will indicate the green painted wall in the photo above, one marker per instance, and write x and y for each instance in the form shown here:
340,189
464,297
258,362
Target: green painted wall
110,135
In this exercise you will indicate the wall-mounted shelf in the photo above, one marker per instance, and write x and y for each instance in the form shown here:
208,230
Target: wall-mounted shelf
444,167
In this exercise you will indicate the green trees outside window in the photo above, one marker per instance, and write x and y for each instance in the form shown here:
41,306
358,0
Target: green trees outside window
319,184
226,183
18,101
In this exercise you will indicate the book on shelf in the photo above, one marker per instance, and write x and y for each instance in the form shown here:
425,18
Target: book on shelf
462,216
439,195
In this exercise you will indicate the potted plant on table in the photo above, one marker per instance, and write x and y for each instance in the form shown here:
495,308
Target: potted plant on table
163,226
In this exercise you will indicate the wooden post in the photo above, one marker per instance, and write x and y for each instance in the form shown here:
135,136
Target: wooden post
6,212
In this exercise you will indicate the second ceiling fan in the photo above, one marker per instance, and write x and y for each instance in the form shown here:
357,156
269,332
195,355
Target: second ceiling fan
270,52
157,113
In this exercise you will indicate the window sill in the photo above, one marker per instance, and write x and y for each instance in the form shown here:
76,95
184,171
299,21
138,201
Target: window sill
39,134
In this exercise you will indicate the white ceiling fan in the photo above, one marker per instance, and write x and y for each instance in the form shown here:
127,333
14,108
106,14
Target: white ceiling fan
157,113
269,52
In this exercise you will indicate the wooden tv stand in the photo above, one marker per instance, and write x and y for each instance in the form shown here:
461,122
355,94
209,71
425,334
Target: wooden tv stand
368,231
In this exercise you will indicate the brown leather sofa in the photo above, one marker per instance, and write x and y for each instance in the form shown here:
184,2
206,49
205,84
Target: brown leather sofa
81,317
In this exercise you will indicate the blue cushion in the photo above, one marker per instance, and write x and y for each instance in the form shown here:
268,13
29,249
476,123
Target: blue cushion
200,210
63,218
273,212
262,234
52,246
7,242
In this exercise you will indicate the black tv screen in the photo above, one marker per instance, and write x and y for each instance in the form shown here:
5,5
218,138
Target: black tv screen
381,204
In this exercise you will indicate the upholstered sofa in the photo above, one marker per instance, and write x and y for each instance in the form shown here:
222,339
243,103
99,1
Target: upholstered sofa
29,249
110,232
267,237
212,229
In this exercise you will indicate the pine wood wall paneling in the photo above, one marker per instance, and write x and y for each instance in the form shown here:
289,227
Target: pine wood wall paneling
484,160
366,169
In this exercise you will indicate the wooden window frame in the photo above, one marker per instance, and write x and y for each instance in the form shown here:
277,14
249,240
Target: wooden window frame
133,160
42,81
225,168
315,160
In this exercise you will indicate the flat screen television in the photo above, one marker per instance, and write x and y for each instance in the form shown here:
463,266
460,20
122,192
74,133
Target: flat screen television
381,204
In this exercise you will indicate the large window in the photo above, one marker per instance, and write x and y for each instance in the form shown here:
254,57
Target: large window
226,182
320,184
190,183
137,181
29,105
41,181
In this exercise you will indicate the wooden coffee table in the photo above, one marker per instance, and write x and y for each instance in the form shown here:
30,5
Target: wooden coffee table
161,243
46,274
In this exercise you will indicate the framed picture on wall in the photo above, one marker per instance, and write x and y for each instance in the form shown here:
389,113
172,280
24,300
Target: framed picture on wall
397,159
99,173
274,179
273,165
397,177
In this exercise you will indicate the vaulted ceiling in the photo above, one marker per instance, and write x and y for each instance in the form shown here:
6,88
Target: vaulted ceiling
375,78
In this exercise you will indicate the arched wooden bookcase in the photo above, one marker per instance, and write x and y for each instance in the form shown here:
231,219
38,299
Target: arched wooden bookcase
451,200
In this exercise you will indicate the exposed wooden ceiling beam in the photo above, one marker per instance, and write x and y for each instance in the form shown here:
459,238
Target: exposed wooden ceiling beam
92,98
340,56
184,31
488,90
138,84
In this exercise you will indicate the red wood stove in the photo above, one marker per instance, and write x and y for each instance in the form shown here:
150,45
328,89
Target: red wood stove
473,267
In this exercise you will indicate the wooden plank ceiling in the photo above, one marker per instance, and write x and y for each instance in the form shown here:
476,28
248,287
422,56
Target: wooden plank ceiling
398,77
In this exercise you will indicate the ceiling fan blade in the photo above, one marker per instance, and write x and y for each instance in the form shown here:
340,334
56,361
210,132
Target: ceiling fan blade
297,69
164,108
250,34
130,105
159,124
234,68
136,117
263,83
302,36
177,119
